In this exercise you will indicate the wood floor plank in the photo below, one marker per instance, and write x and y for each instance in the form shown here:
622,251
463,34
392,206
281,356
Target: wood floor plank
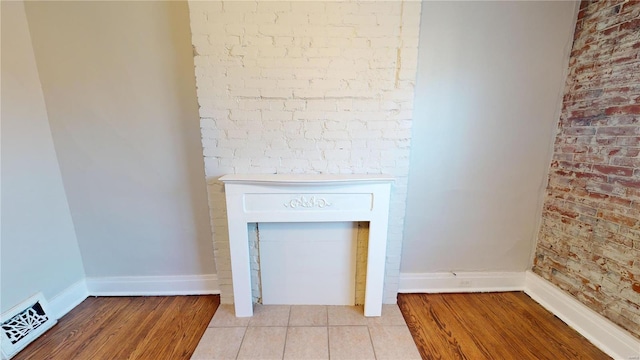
184,318
139,330
125,331
180,339
430,332
126,327
517,338
481,332
490,326
76,331
117,331
523,338
533,316
473,347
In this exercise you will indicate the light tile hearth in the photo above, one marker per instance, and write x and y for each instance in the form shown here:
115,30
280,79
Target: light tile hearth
307,332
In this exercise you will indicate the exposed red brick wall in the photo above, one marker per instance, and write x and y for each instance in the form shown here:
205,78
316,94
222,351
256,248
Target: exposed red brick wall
589,242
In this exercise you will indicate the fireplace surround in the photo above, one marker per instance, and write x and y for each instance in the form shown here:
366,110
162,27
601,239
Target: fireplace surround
307,198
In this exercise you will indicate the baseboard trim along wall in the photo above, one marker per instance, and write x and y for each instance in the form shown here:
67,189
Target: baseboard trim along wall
604,334
458,282
68,298
154,285
72,296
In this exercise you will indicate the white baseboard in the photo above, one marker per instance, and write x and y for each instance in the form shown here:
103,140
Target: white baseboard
153,285
604,334
461,282
69,298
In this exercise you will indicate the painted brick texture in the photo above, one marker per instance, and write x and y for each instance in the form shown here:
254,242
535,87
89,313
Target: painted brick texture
305,87
589,242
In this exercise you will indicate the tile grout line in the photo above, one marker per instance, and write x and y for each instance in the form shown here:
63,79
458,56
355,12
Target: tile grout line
242,341
371,340
328,335
328,343
286,332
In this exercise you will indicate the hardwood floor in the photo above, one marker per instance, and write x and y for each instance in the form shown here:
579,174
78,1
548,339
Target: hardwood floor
154,327
444,326
490,326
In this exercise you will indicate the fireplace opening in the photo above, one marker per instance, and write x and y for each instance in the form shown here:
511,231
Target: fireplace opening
308,263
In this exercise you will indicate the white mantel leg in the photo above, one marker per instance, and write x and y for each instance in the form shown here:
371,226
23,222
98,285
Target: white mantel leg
375,273
240,264
376,255
241,270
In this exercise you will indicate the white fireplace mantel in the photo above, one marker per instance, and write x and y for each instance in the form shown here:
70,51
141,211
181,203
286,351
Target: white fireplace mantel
307,198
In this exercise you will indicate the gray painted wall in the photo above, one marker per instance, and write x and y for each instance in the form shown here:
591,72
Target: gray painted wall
39,250
488,93
119,85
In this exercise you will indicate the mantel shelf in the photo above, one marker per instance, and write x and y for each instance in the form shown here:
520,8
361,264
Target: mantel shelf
305,179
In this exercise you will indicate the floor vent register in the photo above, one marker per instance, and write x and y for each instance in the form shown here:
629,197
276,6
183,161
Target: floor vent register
24,323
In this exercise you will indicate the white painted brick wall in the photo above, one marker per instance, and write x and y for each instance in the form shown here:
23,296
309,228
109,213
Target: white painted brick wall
305,87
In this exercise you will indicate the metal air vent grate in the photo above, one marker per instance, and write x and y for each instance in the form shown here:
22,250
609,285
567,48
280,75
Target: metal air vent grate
23,324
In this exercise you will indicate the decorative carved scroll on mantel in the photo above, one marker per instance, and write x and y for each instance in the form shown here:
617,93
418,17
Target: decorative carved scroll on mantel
303,202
